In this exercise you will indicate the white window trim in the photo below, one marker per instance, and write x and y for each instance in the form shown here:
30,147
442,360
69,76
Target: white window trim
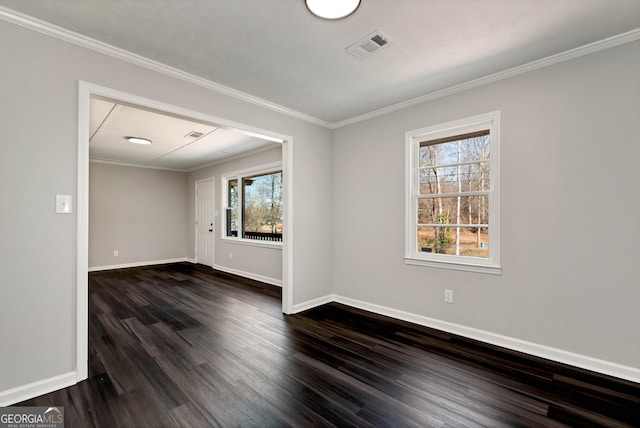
413,138
262,169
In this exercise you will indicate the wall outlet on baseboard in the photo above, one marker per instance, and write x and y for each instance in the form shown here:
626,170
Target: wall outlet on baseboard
448,296
230,255
116,253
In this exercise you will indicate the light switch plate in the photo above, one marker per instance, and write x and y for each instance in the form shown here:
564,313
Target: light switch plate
448,296
63,204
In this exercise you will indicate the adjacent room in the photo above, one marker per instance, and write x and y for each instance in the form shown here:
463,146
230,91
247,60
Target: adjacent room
262,213
154,201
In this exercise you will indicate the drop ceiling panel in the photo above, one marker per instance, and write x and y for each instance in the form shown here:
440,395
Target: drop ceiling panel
99,111
111,145
166,131
171,147
215,146
250,145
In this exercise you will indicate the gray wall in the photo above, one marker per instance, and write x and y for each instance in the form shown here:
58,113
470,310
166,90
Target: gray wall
148,215
38,133
264,262
569,154
570,182
140,212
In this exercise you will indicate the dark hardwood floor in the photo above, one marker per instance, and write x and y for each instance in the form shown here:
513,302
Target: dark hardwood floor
183,345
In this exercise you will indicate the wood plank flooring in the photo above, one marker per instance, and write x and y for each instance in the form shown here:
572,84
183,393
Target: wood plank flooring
182,345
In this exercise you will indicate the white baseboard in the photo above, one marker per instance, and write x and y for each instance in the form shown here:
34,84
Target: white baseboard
250,275
310,304
190,260
542,351
138,264
35,389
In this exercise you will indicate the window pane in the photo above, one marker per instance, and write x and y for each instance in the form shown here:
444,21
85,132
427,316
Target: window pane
476,148
472,242
233,194
464,178
470,210
262,207
232,210
451,182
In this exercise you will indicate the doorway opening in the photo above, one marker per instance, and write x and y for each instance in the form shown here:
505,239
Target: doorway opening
87,91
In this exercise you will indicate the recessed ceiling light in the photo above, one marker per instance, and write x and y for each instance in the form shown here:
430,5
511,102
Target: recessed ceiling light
138,140
332,9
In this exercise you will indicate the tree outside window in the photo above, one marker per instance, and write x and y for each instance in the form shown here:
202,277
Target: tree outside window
457,223
255,206
262,204
452,195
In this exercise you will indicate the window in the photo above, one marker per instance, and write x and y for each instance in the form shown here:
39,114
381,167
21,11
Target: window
232,210
254,205
452,195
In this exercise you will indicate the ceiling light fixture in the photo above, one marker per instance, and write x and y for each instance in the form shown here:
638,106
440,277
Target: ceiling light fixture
332,9
138,140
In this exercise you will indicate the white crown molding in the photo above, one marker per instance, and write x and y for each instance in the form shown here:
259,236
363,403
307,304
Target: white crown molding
98,46
231,158
107,49
611,42
134,165
163,168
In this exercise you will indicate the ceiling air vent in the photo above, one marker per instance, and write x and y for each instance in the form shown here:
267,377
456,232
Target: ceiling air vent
369,44
194,134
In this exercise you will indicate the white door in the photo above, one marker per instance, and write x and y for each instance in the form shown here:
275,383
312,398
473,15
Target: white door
204,222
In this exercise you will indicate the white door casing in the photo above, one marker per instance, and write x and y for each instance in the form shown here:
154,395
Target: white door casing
205,221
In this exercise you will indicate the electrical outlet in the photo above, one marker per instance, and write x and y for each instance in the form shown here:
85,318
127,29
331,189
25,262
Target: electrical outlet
448,296
230,255
116,253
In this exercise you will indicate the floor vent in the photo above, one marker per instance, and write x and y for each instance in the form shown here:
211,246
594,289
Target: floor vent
369,44
194,134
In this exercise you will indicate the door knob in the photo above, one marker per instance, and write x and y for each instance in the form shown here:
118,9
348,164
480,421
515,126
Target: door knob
210,230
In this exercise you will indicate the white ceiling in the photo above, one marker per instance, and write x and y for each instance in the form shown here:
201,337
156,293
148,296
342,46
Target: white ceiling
277,51
172,147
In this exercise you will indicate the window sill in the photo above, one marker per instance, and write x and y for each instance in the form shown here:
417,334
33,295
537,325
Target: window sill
276,245
493,270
